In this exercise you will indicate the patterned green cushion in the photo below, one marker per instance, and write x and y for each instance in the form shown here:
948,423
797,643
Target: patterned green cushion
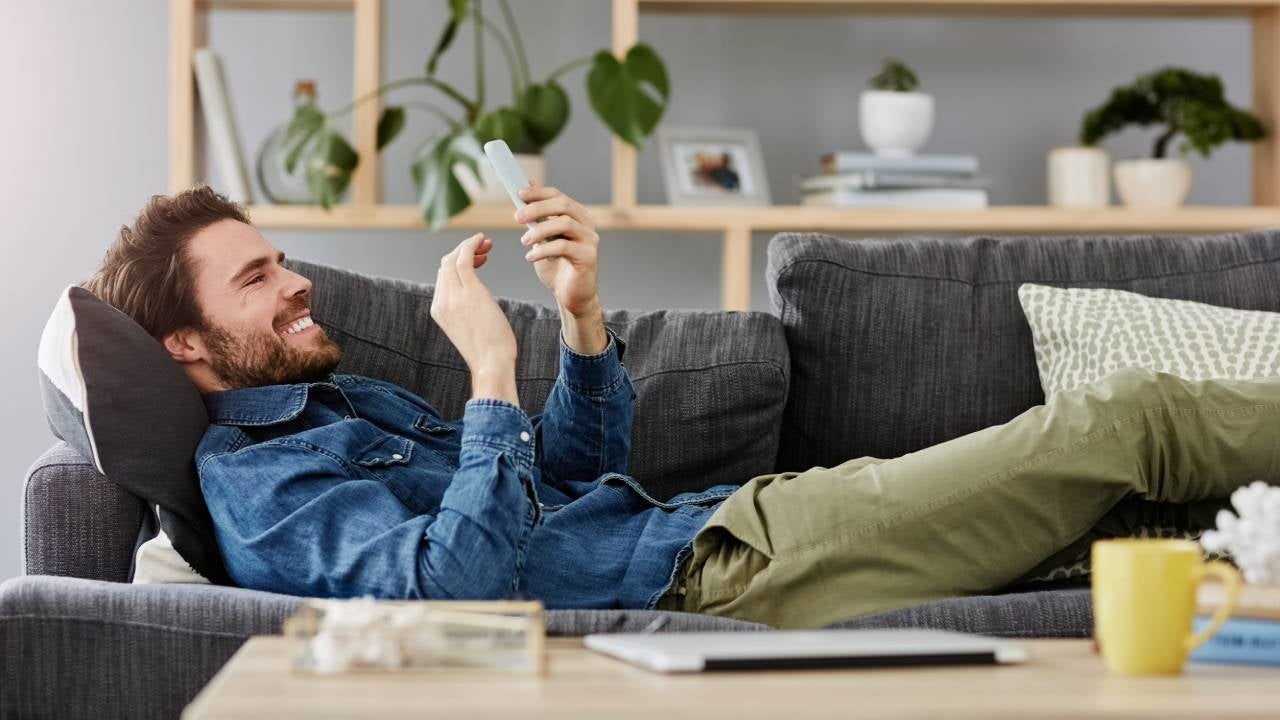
1081,335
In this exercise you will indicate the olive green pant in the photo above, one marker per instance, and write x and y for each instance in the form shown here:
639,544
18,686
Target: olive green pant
980,512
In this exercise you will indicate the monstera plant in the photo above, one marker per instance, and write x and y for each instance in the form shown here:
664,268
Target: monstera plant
629,95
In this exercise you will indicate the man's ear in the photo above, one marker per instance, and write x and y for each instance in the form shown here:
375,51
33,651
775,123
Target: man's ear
185,346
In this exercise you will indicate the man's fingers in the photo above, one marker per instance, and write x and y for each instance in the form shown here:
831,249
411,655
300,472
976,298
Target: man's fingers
482,251
559,248
560,226
559,205
538,192
465,255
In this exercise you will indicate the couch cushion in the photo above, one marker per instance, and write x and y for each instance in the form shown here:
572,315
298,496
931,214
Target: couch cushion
1084,334
113,394
901,344
710,386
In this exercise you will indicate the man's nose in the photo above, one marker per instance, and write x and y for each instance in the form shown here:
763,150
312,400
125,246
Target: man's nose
297,285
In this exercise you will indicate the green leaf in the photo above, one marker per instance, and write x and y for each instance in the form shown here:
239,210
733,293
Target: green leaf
501,124
440,195
390,125
446,39
895,77
460,9
303,128
329,167
1181,100
629,96
545,111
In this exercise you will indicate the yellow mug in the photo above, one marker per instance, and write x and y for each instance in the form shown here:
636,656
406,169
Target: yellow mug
1144,597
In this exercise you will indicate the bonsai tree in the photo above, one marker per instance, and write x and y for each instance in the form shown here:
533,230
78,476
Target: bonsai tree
895,77
1183,102
628,95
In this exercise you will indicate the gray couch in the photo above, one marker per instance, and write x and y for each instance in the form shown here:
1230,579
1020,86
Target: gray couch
875,347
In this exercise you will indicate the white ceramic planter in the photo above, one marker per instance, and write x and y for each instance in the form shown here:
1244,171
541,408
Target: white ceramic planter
488,188
895,124
1079,177
1152,183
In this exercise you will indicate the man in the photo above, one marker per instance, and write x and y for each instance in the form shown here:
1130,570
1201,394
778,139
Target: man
338,485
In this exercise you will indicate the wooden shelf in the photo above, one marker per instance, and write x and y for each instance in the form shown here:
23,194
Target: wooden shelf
188,24
1143,8
1001,219
326,5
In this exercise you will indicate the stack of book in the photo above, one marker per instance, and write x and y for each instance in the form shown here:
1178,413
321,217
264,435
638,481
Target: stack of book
866,180
1251,636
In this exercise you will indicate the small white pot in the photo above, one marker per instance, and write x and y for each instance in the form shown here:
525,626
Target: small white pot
895,124
1153,183
1079,177
488,188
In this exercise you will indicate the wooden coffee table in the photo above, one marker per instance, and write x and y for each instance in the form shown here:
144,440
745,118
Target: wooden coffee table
1063,679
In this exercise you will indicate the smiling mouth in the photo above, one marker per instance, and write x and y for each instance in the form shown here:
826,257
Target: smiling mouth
296,326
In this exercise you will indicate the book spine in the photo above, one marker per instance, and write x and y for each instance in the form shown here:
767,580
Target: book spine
917,199
1252,642
837,163
223,139
876,179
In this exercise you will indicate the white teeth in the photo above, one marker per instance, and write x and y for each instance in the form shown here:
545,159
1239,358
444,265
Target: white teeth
298,326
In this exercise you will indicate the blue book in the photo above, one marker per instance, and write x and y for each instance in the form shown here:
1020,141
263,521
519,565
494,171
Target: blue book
1240,641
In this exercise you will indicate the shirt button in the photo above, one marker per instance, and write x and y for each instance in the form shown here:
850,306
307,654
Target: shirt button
397,456
346,417
524,435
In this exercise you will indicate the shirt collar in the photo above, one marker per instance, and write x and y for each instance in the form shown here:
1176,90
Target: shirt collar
266,405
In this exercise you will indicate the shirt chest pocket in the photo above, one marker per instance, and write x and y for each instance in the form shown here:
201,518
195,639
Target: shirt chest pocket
406,471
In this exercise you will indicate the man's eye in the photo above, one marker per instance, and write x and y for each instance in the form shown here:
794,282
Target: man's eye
255,279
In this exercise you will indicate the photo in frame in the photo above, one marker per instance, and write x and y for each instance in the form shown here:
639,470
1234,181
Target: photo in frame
712,166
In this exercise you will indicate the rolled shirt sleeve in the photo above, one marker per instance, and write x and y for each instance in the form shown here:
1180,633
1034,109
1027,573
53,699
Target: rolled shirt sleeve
585,428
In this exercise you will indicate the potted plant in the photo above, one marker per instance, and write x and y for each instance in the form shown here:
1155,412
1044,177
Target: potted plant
1183,102
895,119
629,96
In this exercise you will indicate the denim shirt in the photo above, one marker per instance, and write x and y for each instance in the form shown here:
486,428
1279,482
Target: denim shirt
355,486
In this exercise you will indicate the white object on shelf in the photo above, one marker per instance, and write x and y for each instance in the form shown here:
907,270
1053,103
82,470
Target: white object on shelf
220,121
1079,177
1153,182
895,124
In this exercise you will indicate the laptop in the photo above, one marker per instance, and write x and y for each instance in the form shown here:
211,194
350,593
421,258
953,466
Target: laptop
788,649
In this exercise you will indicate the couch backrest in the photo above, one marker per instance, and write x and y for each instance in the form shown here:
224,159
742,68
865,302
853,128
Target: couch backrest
710,386
901,344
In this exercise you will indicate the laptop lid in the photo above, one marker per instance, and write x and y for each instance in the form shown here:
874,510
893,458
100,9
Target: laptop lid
707,651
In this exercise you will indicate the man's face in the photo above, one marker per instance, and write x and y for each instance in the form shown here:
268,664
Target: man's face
257,313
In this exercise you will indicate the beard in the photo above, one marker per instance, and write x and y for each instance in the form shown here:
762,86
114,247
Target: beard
259,358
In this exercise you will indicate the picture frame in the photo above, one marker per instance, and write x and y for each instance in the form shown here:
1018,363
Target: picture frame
703,166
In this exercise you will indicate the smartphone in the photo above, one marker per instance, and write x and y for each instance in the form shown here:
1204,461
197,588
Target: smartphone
509,172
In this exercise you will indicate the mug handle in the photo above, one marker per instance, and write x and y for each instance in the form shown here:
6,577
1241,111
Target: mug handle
1229,577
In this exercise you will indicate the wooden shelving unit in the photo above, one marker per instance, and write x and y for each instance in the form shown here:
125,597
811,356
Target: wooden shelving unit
365,211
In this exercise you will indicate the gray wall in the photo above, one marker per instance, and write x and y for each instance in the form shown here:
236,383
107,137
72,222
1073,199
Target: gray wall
84,132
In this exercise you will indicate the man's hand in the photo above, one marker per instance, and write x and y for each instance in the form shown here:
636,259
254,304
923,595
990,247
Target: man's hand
469,316
566,263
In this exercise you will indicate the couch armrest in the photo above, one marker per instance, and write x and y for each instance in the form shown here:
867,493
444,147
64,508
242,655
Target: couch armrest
74,648
75,521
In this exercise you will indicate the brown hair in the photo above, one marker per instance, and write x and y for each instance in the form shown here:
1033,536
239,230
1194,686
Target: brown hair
148,274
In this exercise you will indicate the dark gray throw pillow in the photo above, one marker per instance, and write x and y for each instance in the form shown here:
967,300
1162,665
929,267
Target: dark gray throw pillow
114,394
